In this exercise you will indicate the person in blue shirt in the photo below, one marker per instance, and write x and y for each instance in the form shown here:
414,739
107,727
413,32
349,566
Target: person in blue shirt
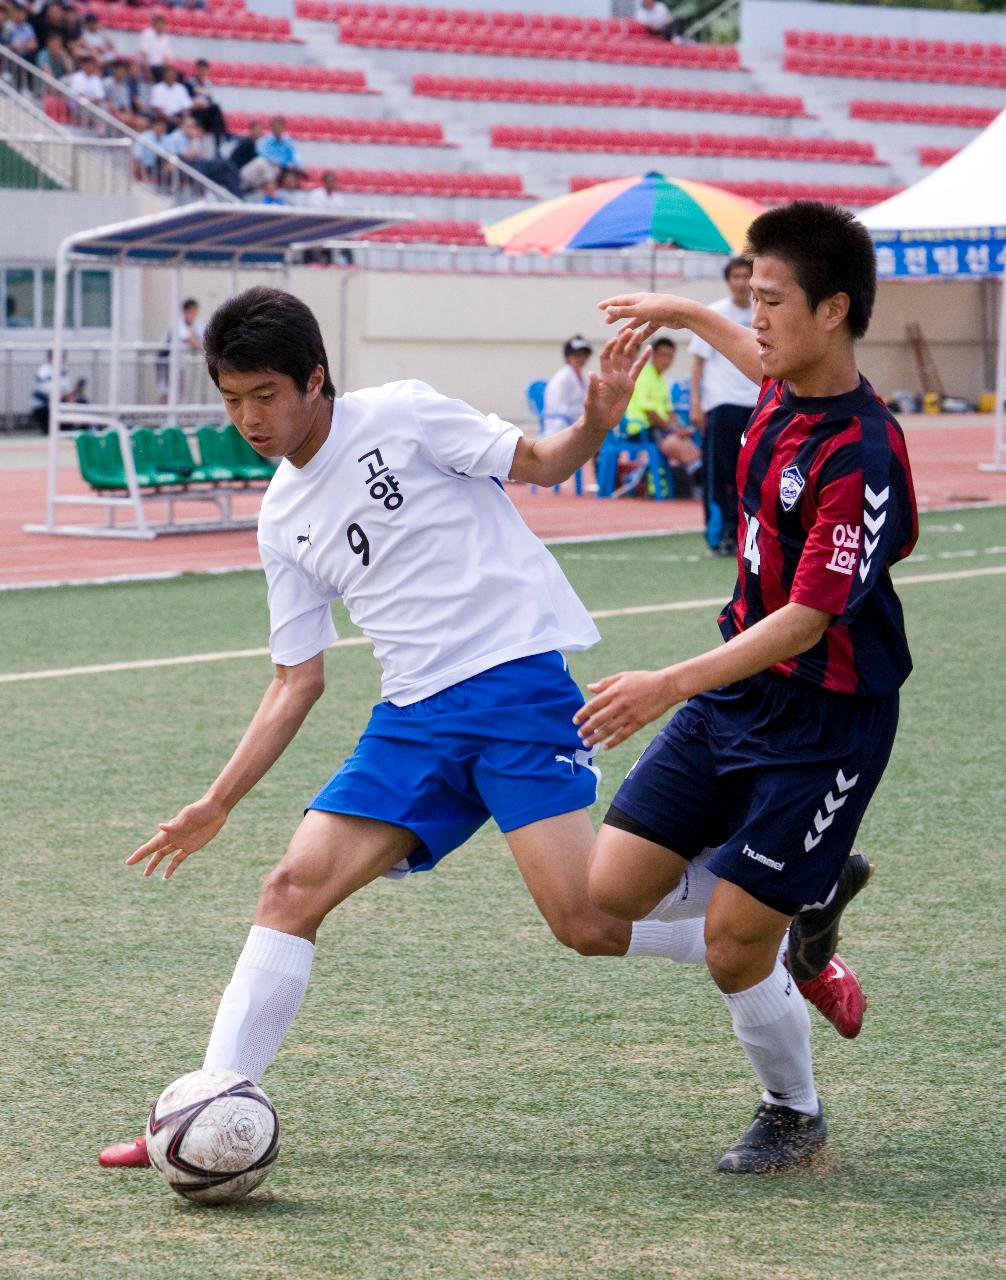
278,147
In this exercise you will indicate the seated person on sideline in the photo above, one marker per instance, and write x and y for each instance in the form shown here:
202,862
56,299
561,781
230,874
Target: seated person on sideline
786,729
278,149
205,109
650,408
70,392
567,387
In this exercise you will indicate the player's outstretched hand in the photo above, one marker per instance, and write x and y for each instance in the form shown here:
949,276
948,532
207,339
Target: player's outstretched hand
623,704
609,392
188,831
645,313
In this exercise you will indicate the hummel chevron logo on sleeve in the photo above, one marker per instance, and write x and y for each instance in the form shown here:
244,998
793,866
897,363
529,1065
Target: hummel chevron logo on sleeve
874,523
832,802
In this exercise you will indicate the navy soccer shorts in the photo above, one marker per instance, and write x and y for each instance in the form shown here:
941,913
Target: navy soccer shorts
774,774
501,744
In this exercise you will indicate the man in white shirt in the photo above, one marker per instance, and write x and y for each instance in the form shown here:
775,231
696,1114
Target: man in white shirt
722,400
567,388
327,195
86,81
170,98
657,18
155,45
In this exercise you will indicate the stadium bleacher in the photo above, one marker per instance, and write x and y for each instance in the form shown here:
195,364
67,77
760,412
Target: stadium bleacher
970,117
520,138
827,53
933,156
858,196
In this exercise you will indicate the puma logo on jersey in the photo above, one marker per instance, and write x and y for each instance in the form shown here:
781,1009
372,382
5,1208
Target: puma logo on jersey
305,537
566,760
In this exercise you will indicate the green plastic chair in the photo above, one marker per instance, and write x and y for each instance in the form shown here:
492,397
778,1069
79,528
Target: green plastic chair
242,458
146,460
97,468
175,454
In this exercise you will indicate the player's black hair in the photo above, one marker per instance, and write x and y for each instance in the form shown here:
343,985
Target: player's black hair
657,343
829,250
734,263
266,329
190,302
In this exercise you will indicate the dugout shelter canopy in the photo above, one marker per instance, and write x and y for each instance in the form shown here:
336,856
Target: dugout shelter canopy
951,225
225,236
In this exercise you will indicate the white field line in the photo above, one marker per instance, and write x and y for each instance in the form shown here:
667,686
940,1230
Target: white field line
674,606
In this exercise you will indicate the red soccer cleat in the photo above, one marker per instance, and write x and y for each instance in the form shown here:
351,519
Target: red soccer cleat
836,992
126,1155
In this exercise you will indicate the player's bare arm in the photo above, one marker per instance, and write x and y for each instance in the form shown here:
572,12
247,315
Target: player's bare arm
645,313
289,697
627,701
553,459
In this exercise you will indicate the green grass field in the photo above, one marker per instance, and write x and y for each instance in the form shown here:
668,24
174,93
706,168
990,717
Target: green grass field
461,1098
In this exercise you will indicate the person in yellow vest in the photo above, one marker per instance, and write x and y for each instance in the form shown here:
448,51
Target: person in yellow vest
650,409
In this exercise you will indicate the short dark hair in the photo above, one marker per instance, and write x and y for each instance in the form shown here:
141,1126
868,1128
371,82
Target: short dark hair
657,343
266,329
738,261
829,250
190,302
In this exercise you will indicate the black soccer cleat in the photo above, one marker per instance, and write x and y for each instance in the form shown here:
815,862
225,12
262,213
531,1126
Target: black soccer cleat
813,935
779,1138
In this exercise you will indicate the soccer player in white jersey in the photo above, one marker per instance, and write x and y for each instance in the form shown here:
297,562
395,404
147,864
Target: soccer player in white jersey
389,499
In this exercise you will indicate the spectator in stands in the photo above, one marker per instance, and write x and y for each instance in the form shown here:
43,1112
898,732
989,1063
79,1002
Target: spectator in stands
269,192
290,188
86,81
118,94
18,34
70,392
148,165
188,333
658,20
566,389
327,195
169,97
278,149
73,28
246,149
205,109
54,59
722,400
155,46
191,143
141,86
49,21
94,39
650,409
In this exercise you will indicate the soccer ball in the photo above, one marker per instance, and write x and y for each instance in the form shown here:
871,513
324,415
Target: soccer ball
212,1136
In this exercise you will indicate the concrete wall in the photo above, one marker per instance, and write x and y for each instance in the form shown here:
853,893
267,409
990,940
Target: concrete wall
484,338
764,21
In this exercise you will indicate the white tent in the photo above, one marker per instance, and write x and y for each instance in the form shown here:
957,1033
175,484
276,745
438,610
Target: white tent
952,225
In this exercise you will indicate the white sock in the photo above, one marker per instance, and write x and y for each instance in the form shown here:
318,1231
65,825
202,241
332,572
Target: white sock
690,897
260,1002
681,940
773,1026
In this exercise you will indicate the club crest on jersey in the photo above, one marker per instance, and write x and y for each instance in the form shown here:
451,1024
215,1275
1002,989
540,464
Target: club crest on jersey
790,487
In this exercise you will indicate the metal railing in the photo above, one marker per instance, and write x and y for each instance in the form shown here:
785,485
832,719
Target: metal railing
105,170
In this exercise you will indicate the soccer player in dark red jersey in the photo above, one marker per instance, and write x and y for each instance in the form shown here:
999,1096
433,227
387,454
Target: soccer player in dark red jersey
788,727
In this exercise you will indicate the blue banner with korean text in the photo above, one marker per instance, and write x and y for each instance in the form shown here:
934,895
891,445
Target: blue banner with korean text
958,254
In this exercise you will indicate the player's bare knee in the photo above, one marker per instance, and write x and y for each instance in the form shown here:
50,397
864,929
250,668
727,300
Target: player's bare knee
288,898
610,893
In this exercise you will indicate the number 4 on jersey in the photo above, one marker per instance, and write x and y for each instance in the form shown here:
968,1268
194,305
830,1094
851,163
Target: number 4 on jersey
751,553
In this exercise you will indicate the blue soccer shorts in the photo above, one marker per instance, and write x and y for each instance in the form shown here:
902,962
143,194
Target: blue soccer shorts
501,744
774,774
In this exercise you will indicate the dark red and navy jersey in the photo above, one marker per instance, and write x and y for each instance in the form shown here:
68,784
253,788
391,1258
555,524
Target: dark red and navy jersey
826,507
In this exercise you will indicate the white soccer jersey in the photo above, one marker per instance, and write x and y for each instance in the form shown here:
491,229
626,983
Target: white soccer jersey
398,515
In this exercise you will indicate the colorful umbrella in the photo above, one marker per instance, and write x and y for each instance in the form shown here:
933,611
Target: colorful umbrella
648,210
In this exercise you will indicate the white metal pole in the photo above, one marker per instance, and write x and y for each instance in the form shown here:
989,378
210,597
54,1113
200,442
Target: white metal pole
1000,373
174,346
116,353
56,386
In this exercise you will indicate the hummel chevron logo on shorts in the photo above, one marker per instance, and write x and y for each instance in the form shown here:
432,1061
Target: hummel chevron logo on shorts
826,815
